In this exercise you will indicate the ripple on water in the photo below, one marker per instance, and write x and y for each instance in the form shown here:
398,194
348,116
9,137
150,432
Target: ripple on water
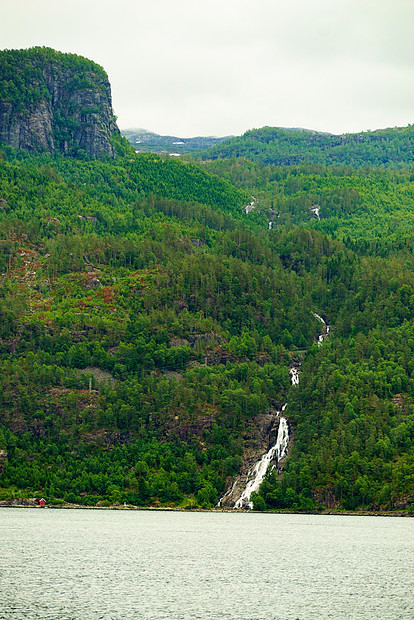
64,565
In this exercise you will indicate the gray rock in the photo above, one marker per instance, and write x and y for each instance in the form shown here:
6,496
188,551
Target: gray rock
72,116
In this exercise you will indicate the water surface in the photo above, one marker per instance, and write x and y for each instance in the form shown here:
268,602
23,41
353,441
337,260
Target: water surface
152,565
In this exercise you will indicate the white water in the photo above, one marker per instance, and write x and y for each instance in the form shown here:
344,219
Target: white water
250,207
227,494
294,376
315,211
278,451
322,336
272,457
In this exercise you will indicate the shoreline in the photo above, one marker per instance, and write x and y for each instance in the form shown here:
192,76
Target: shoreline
327,512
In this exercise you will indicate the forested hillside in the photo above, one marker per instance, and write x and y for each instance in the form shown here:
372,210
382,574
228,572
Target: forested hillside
124,319
393,147
374,206
153,311
149,323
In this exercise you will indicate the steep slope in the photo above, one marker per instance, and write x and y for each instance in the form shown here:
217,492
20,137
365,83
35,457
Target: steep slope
150,308
146,343
56,103
149,320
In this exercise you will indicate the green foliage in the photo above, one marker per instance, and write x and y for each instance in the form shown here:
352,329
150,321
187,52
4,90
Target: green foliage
56,102
23,74
112,197
354,445
286,147
369,208
147,321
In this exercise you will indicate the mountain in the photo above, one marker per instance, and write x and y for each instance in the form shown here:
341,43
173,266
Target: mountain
148,326
281,147
55,103
153,312
147,142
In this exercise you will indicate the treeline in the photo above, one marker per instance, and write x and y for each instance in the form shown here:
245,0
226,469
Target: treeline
158,336
110,196
286,147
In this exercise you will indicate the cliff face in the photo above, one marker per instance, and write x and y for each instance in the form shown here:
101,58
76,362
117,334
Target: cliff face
57,103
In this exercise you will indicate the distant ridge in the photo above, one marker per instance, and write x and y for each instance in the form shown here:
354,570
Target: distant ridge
145,141
390,147
393,147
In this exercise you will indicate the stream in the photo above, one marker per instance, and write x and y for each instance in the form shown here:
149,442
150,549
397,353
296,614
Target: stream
278,451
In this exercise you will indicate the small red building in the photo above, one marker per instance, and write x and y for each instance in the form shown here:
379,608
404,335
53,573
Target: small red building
42,502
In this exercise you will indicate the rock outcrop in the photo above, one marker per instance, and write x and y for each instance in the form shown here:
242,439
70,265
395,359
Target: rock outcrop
266,429
3,460
56,103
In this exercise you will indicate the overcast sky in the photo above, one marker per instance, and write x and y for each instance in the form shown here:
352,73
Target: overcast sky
221,67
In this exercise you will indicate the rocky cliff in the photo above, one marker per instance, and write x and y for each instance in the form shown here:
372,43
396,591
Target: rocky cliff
55,102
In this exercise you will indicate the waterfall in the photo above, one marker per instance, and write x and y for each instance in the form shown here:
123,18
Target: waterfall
294,376
277,452
325,328
272,457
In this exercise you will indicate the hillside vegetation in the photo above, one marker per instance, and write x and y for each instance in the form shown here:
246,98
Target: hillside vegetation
148,322
153,308
393,147
56,103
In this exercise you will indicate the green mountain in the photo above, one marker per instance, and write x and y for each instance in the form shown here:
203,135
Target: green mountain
150,322
284,147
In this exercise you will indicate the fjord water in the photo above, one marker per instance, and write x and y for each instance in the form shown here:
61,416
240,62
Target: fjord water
80,564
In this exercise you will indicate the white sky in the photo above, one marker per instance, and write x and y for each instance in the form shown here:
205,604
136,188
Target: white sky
221,67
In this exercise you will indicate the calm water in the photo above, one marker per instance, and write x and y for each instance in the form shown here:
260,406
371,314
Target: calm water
79,564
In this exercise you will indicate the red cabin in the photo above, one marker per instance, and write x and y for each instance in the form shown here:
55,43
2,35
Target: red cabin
42,502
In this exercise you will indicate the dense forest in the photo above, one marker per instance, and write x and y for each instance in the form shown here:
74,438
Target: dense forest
148,321
393,147
152,309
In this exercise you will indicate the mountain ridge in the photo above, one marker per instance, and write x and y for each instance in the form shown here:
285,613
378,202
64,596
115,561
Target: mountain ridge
146,141
387,147
392,147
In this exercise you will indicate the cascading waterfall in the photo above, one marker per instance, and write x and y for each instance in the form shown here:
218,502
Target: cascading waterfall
294,376
272,457
325,329
279,450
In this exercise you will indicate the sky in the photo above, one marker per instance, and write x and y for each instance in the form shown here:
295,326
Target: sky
220,67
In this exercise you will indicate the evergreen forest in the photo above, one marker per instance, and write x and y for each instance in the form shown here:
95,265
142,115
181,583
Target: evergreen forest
152,308
384,148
